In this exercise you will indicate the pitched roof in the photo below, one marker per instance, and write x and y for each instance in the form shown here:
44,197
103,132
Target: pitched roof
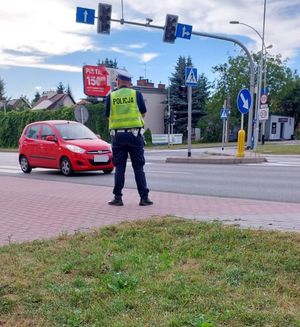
51,100
43,104
12,103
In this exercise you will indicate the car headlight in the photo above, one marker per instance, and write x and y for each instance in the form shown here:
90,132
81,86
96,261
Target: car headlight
75,148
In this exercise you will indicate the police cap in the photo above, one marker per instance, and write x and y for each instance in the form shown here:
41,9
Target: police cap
124,76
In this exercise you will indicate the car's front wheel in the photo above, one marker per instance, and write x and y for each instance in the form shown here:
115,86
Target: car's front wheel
25,165
66,167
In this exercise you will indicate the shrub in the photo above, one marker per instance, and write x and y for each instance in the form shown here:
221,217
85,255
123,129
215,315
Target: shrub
12,123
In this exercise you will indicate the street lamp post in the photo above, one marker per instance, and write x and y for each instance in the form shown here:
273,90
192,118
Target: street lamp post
259,84
251,133
265,90
169,113
260,78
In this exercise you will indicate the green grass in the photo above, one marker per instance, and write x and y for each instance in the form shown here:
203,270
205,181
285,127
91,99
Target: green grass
277,148
161,272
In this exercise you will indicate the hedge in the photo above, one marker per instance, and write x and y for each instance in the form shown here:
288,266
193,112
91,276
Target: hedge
13,122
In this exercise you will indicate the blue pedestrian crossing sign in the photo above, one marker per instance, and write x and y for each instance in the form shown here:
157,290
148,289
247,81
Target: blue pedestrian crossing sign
85,15
191,76
244,100
224,113
184,31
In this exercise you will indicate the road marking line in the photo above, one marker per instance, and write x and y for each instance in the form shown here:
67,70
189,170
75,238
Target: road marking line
276,164
129,163
16,169
169,172
10,171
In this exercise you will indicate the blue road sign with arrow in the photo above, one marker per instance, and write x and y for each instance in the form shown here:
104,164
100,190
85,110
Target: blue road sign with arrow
184,31
85,15
244,101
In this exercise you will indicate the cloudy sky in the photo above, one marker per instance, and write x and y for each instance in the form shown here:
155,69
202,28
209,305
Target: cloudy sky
41,44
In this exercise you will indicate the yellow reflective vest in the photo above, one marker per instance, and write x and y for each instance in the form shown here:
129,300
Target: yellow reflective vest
124,111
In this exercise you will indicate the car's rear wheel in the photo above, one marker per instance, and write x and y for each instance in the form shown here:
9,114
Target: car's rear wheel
25,165
107,171
66,167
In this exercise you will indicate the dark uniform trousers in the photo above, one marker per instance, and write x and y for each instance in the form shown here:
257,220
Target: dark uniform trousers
125,143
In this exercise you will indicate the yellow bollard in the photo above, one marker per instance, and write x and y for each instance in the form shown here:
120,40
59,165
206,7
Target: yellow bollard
241,144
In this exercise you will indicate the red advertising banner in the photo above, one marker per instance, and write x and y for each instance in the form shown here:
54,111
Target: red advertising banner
95,81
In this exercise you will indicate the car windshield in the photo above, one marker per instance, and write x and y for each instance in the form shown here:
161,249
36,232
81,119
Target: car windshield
71,131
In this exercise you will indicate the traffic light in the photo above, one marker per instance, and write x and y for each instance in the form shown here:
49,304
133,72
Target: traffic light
172,117
104,18
170,28
182,92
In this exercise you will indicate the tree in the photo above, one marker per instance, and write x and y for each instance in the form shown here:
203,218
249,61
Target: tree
37,96
289,100
279,74
211,124
178,96
69,91
2,89
60,88
108,63
232,77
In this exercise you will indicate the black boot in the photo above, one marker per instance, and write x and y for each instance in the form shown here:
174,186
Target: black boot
146,202
116,201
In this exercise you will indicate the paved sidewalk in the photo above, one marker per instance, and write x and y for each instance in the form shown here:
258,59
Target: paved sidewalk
35,209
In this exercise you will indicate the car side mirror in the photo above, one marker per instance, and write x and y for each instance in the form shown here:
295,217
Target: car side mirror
51,138
99,136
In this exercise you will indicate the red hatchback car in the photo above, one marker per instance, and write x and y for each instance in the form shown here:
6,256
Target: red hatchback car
65,145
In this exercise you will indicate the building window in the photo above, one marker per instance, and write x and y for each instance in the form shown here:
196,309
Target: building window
274,127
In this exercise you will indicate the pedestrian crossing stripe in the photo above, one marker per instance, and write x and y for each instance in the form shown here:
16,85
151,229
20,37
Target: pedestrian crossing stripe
191,78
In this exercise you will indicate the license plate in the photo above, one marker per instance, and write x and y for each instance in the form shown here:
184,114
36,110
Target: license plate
98,158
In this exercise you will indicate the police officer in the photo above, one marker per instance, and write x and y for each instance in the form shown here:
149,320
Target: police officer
125,109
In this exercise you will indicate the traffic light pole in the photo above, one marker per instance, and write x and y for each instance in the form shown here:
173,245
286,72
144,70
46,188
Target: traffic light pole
169,116
123,21
219,37
189,94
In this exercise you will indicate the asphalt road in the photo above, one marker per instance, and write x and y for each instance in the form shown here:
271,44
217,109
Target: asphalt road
277,180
